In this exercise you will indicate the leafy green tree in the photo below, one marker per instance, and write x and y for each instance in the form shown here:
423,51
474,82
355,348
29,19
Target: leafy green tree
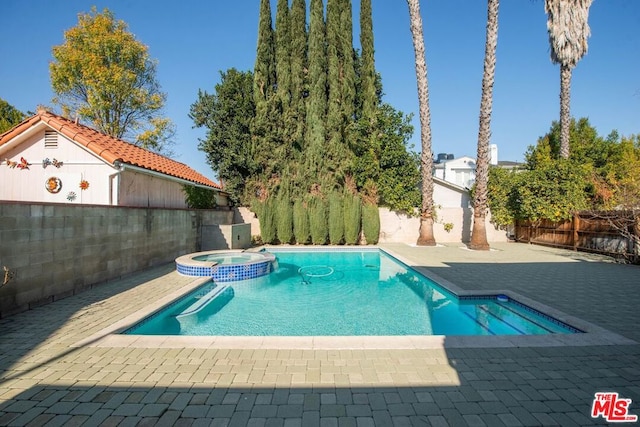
9,116
501,184
102,74
388,161
199,197
552,192
227,116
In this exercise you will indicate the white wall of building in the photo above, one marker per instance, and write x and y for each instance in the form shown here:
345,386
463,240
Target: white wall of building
77,165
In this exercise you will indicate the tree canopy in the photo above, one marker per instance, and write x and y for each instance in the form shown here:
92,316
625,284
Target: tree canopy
601,173
295,127
102,74
9,116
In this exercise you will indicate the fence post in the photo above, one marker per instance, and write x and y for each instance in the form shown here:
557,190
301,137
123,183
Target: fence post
576,228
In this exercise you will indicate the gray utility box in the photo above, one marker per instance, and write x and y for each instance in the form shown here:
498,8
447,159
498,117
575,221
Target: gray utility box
228,236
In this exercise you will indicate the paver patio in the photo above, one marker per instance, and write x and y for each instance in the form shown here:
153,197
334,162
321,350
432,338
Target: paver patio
58,366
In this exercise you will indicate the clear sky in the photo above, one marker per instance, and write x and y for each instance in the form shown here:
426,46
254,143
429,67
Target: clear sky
195,39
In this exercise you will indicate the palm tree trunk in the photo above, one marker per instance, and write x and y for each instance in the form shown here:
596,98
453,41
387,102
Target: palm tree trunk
480,197
426,237
565,113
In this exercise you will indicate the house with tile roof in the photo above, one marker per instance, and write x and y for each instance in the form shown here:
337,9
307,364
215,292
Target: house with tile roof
48,158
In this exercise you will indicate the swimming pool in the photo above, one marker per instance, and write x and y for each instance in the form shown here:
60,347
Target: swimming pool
341,293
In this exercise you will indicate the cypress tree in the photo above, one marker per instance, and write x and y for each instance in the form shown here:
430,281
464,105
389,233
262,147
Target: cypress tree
352,217
266,126
318,221
284,219
264,77
299,64
317,100
283,55
340,83
336,218
371,223
334,99
367,71
301,222
347,54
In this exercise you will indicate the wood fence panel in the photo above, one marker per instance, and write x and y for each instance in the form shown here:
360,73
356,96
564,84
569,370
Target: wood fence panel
587,231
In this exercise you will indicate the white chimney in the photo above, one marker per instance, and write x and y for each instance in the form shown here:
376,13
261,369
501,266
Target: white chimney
493,159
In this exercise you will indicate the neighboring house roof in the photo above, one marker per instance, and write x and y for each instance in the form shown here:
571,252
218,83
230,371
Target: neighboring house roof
111,150
450,185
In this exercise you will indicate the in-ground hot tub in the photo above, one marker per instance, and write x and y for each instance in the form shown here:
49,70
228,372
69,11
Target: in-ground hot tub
226,265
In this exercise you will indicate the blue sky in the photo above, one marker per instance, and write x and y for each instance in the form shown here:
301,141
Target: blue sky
194,40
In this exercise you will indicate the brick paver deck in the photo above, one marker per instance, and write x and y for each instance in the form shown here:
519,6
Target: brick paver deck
59,365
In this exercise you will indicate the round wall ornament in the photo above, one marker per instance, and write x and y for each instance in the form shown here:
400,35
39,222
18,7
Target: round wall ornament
53,185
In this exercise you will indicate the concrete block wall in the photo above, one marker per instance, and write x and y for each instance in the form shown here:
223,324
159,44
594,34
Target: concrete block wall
56,250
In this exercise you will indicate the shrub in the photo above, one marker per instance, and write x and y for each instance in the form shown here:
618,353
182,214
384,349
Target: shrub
352,218
336,218
371,223
284,219
301,223
318,221
267,221
198,197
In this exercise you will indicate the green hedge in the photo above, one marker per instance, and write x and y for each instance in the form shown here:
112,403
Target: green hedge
371,223
284,219
352,218
336,219
318,221
301,228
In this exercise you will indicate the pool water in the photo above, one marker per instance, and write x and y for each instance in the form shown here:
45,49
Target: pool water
229,258
341,293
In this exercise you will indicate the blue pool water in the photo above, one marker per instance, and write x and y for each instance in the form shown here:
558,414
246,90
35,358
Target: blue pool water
338,293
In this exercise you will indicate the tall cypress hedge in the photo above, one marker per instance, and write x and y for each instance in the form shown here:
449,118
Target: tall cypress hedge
318,221
371,223
301,228
284,219
352,218
267,221
336,218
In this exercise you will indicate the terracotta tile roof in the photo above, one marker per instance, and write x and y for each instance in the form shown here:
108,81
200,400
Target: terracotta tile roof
110,149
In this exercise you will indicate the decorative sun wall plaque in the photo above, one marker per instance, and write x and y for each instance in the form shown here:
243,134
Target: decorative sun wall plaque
53,185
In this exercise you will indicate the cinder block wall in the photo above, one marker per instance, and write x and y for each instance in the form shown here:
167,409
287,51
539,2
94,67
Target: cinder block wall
56,250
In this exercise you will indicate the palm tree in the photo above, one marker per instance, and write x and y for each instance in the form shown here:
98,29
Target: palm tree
426,158
479,232
568,32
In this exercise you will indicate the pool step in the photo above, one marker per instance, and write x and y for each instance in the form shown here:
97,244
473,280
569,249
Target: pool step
203,301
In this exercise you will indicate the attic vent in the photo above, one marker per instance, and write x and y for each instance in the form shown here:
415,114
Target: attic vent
50,139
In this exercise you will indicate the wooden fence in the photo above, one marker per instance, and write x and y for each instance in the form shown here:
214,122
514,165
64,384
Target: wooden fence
611,233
